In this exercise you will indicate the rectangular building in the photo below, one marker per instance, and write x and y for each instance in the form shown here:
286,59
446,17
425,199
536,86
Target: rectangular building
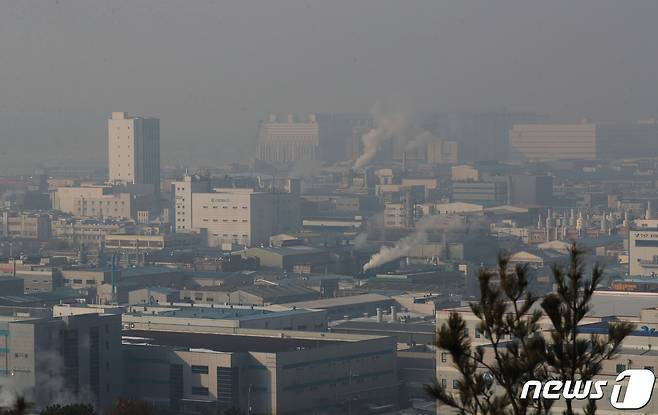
67,359
134,150
487,193
25,225
260,371
289,141
545,142
643,252
242,216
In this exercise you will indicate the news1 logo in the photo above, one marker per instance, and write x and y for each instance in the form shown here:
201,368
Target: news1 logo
638,390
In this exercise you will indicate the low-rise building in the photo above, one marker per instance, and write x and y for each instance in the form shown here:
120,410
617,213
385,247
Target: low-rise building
250,295
11,285
300,259
88,231
25,225
133,243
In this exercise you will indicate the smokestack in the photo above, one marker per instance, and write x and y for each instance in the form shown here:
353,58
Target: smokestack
394,314
380,317
649,213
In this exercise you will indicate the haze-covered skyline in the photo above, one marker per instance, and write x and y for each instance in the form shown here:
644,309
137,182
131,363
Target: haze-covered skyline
210,70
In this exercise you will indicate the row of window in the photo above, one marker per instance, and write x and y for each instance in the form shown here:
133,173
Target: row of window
226,220
225,207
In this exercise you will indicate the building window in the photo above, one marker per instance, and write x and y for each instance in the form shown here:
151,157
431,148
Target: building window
455,384
200,369
444,357
620,368
199,390
477,333
444,383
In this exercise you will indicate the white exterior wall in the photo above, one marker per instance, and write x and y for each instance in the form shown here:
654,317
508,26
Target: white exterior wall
133,149
552,141
92,202
288,141
643,252
226,216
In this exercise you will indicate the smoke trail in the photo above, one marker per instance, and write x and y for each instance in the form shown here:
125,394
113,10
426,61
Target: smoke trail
387,126
361,240
390,126
406,245
8,392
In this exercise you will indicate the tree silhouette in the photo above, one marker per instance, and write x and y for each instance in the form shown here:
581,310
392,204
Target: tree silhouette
509,321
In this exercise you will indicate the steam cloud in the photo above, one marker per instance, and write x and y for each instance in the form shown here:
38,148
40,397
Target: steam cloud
389,126
361,240
406,245
50,389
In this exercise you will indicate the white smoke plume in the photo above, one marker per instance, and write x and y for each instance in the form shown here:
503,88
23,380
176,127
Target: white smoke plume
387,126
49,389
361,240
406,245
390,125
8,392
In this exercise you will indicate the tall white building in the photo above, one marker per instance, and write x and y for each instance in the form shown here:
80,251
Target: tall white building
134,150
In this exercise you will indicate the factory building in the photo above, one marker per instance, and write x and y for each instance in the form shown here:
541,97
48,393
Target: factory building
643,252
260,371
240,216
63,359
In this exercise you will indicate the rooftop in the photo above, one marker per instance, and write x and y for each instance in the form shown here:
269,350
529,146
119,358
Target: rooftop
272,343
214,313
290,250
341,301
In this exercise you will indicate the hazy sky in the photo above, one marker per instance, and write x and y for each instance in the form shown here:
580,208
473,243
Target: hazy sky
211,69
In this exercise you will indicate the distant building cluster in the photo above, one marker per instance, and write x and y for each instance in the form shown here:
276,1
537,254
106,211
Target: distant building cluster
312,278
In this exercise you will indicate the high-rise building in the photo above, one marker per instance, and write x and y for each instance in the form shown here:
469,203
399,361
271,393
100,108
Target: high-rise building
530,190
584,141
443,152
336,134
481,135
325,136
628,140
288,141
544,142
134,150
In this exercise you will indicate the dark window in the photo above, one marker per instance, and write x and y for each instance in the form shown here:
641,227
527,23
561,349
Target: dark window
227,387
175,385
94,361
199,390
648,244
620,368
200,369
